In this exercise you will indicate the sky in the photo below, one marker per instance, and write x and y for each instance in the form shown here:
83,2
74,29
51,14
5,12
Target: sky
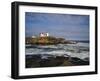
68,26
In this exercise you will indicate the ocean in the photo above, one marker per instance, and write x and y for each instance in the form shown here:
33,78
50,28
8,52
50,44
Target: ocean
79,50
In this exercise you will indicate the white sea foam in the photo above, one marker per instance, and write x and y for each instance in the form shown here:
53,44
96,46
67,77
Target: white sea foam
80,50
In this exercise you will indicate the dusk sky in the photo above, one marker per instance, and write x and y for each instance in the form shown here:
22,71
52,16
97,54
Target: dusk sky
68,26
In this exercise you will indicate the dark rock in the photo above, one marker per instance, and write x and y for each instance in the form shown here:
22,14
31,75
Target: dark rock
78,61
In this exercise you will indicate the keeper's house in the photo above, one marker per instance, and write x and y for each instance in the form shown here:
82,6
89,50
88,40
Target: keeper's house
44,34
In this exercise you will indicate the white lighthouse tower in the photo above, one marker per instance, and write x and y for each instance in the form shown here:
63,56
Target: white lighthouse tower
47,34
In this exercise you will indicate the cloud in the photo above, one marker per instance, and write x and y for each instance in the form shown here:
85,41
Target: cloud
61,25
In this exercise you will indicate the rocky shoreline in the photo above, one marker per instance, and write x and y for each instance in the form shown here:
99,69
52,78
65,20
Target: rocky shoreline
33,61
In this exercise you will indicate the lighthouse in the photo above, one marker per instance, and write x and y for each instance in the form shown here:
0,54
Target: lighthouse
47,34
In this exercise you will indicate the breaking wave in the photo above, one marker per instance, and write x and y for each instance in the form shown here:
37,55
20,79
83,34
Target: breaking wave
79,50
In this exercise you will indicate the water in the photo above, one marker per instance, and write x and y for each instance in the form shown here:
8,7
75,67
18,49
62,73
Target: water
79,50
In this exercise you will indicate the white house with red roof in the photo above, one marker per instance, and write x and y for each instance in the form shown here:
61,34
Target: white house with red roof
44,34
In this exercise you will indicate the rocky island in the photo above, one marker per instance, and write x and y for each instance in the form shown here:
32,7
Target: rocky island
47,40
